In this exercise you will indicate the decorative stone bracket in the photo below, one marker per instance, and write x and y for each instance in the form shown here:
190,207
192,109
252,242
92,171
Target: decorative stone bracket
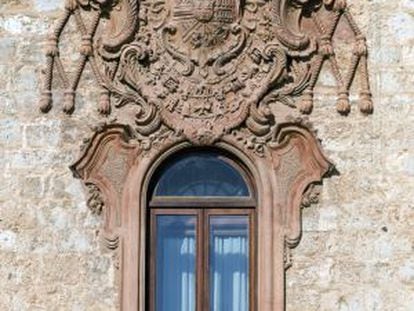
229,74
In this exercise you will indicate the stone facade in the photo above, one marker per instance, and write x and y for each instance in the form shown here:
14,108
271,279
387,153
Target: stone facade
357,250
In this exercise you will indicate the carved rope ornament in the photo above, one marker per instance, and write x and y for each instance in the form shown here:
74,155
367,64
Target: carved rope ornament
230,74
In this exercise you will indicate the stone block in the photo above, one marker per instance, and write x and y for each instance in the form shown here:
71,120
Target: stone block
11,136
46,5
44,135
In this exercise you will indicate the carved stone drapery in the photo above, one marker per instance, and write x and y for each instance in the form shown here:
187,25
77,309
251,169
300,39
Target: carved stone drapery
236,75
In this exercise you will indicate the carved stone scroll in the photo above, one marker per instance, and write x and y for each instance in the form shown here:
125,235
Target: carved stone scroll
228,74
103,167
299,164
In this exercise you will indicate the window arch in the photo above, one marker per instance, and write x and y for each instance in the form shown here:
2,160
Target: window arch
201,174
201,233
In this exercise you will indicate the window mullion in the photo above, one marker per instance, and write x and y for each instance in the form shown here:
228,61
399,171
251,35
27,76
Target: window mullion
206,256
200,260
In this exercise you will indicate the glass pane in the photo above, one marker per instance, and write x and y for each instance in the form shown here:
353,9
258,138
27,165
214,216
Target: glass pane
200,174
176,263
229,263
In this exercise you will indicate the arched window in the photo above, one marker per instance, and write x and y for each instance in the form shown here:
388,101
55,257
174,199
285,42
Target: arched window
201,234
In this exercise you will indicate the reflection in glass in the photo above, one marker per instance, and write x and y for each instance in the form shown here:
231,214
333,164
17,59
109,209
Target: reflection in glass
176,263
229,263
200,174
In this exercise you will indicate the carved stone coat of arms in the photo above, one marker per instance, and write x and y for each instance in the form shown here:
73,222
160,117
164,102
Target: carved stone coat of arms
202,68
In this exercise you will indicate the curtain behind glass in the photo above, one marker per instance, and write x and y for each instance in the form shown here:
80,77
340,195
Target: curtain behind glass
176,263
229,263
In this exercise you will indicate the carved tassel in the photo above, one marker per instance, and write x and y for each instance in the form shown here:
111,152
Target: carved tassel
46,101
69,102
340,5
71,5
51,49
104,103
86,46
366,104
306,102
343,106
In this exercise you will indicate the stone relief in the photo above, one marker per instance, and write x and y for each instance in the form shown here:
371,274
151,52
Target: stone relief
201,69
229,73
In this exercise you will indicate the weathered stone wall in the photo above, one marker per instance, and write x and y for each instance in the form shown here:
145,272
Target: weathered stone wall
50,257
357,251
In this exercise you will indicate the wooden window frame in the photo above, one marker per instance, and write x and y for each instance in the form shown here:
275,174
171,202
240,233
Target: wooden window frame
202,208
202,249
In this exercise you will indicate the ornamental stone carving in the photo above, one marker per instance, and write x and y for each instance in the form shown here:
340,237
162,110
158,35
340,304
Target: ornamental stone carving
236,75
202,68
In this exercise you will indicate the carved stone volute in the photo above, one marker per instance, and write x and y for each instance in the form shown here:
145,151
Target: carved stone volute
103,167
